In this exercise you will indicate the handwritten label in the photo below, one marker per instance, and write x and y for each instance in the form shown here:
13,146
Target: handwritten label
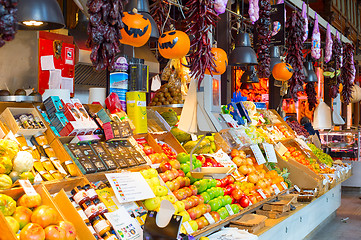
284,185
297,188
276,189
209,218
261,193
258,154
270,152
229,209
28,188
188,227
281,149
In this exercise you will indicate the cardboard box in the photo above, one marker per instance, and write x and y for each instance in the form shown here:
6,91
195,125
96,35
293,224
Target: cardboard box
137,111
53,105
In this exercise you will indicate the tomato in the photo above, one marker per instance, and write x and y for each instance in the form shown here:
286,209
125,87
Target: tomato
44,216
32,231
54,232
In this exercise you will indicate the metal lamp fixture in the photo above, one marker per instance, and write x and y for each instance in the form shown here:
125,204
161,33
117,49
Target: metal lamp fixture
143,8
249,77
311,75
243,54
275,59
40,15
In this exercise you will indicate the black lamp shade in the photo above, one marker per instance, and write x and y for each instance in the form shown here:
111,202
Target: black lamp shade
143,8
275,56
311,75
47,12
250,76
243,54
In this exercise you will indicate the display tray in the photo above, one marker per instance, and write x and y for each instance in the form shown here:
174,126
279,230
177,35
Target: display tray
19,98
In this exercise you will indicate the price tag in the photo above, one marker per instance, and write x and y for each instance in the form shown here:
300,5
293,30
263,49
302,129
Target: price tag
297,188
209,218
338,174
261,193
303,144
277,191
38,178
188,227
284,185
270,152
281,149
229,209
59,167
258,154
194,137
28,188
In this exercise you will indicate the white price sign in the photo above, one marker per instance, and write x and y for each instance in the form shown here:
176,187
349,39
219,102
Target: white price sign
261,193
284,185
229,209
28,188
297,188
209,218
258,154
188,227
270,152
276,189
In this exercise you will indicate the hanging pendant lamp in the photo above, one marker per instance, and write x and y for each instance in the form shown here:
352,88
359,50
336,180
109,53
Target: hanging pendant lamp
143,8
39,15
243,54
249,77
275,59
311,75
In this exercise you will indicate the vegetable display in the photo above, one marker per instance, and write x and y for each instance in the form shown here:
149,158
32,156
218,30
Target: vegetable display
264,37
316,40
323,157
8,27
201,18
329,42
336,56
347,72
159,11
295,30
298,128
105,22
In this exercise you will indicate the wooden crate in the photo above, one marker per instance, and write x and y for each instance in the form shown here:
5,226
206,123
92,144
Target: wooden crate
271,214
289,197
151,141
170,140
280,206
7,116
250,222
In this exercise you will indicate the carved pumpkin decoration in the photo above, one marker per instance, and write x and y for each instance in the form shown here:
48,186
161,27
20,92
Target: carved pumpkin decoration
282,71
221,61
174,44
136,30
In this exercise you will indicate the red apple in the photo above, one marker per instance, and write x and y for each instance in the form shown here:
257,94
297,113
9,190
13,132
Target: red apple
219,183
195,199
22,215
192,213
194,189
187,204
164,177
175,164
182,181
201,158
32,231
188,191
237,194
215,216
164,166
69,230
45,216
181,173
209,209
175,173
230,179
170,175
176,184
148,150
244,201
54,232
201,199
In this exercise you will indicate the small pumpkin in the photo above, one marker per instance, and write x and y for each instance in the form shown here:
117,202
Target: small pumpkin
221,61
282,71
136,30
174,44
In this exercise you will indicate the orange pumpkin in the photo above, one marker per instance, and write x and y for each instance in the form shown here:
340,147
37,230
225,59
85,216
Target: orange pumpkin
282,71
174,44
136,30
221,61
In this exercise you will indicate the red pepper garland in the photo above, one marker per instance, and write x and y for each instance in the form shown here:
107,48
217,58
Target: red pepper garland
201,17
104,27
264,36
336,54
311,95
8,27
347,72
159,11
295,30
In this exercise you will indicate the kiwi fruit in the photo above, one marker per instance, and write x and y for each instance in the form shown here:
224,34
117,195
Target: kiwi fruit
20,92
4,93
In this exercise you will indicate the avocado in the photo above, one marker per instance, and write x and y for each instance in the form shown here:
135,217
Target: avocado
20,92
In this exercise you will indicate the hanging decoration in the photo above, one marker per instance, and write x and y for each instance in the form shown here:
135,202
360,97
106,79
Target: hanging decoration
347,73
173,44
329,42
253,10
137,29
201,17
311,95
159,11
316,40
105,22
305,26
221,61
264,37
282,71
295,30
336,57
8,26
220,6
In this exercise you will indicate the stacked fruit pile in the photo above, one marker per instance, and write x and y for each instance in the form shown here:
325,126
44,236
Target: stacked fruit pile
34,220
299,157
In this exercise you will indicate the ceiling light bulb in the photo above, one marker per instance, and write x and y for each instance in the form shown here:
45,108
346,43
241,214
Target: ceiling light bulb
32,23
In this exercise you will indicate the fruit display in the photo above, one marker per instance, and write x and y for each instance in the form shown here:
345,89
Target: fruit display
149,151
29,219
167,94
323,157
298,128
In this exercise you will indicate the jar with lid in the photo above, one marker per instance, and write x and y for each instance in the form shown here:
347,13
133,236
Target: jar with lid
100,225
41,139
49,151
25,121
90,192
90,210
47,164
109,236
79,195
21,140
80,211
101,206
91,229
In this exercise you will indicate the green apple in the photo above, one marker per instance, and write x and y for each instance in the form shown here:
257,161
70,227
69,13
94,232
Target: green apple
152,203
213,182
171,199
152,172
223,213
192,179
145,174
197,163
160,191
215,204
228,199
206,197
180,205
185,168
183,157
235,208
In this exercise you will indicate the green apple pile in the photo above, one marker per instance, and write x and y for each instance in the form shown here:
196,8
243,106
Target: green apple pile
28,219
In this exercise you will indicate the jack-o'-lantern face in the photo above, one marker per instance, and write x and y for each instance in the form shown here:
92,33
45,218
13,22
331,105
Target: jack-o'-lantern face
221,61
282,71
136,30
174,44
